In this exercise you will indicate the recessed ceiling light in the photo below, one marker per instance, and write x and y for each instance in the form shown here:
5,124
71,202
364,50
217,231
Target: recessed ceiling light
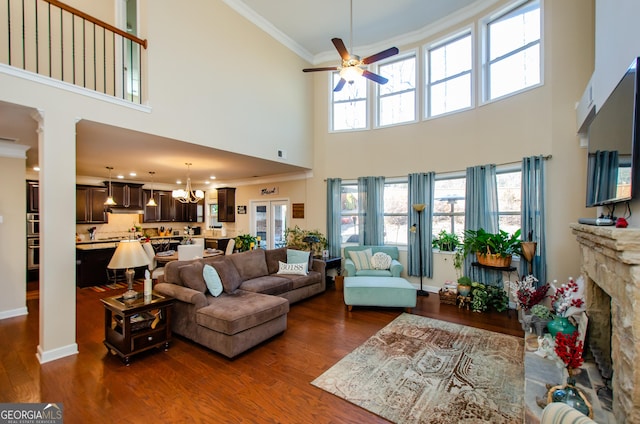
178,182
120,176
206,182
213,177
36,168
132,174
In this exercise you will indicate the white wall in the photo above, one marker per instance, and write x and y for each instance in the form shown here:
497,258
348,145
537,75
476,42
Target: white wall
13,231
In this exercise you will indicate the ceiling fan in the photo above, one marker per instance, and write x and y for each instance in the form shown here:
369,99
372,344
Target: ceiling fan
352,66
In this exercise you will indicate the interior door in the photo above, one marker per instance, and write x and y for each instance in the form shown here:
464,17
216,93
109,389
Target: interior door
269,222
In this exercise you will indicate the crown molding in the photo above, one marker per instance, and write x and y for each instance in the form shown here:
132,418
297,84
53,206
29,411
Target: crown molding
259,21
12,150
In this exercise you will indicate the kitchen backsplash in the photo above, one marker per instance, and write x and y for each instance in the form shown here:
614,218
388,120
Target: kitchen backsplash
121,225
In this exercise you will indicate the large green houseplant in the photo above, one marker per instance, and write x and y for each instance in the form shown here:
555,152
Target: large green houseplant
494,249
312,240
445,241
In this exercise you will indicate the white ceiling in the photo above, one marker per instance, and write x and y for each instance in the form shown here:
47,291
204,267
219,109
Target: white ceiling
306,27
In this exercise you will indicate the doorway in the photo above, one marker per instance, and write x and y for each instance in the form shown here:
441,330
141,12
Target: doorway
269,221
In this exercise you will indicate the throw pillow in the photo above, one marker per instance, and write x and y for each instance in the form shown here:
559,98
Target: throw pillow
297,256
212,280
380,260
361,259
296,269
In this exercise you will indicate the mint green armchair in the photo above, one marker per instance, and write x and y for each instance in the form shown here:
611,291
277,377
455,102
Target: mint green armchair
394,270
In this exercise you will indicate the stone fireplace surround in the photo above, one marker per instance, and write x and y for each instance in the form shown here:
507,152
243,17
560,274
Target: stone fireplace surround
611,261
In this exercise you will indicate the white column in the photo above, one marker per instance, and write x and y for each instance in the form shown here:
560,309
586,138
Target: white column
57,145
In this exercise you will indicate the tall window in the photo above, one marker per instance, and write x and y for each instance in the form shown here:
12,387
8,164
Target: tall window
448,78
349,213
396,199
509,200
349,104
448,205
397,98
512,61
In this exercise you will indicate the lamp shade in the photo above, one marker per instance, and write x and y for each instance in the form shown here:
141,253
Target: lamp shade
419,207
129,254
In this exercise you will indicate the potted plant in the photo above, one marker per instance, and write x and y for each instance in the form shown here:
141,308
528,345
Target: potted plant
464,286
245,242
541,315
312,240
492,249
446,242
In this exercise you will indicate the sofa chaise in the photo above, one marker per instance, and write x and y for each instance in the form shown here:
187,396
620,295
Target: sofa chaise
253,305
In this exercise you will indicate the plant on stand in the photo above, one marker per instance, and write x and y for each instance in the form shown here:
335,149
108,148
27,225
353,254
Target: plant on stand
492,249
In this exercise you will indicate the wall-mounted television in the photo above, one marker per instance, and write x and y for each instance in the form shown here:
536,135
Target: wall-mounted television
613,144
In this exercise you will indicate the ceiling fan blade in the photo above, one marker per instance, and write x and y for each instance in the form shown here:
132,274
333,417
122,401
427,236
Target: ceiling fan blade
340,84
330,68
375,77
344,53
379,56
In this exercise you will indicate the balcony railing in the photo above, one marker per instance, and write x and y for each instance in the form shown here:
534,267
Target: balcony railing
53,39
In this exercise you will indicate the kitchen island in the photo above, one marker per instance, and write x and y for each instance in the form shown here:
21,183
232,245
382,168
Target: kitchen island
93,257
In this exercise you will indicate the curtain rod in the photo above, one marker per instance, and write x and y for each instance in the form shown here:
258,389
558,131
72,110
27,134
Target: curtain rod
547,157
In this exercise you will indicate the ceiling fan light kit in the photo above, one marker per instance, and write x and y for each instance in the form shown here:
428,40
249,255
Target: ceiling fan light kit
352,66
188,195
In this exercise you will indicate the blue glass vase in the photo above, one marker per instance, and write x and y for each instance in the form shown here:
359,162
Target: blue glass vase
561,325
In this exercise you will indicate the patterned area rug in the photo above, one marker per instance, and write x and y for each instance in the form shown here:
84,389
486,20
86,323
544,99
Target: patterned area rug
422,370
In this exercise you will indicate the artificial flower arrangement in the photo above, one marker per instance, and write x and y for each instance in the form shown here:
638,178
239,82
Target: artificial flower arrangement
569,350
526,292
567,299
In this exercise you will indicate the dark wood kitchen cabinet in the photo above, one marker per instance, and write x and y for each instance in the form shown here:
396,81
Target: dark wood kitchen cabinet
128,195
161,213
226,204
90,205
188,212
33,193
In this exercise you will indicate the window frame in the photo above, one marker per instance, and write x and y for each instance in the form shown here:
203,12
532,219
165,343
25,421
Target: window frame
426,75
397,58
332,102
390,181
484,50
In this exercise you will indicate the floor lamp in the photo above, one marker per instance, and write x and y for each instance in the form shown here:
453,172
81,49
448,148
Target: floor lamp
419,207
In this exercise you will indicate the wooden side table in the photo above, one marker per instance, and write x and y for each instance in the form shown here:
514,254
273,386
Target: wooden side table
134,325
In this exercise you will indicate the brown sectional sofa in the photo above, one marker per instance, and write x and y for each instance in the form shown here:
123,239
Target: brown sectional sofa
253,305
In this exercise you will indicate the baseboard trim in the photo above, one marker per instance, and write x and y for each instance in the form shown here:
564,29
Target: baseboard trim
14,313
52,355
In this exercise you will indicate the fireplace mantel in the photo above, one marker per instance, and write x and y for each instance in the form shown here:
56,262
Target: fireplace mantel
611,261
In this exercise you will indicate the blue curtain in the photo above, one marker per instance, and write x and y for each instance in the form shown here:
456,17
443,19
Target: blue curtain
334,218
604,182
481,211
533,215
421,187
371,210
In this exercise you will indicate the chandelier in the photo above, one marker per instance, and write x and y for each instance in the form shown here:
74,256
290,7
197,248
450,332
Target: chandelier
188,195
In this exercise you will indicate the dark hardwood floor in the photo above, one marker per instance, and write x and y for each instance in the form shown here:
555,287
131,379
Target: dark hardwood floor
189,383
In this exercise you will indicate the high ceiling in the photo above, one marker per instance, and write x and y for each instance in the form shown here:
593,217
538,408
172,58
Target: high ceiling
306,27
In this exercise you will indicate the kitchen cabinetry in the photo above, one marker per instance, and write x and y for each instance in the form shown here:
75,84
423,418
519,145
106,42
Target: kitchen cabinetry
189,212
33,191
161,213
90,205
226,204
127,195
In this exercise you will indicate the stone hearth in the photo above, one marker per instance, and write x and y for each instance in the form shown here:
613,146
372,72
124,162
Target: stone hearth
611,261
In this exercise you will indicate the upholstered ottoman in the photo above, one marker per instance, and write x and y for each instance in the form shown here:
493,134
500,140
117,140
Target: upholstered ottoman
379,291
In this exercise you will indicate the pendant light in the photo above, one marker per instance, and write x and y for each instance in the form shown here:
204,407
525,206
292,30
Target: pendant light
110,201
188,195
152,201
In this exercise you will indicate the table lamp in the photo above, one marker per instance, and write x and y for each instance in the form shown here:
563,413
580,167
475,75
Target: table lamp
128,255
